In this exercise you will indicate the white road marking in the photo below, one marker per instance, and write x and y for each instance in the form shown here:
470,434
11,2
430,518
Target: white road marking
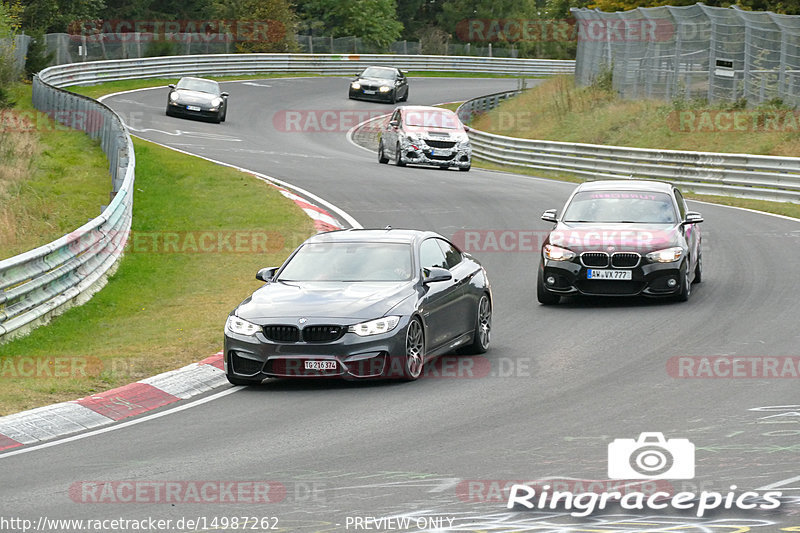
178,133
123,424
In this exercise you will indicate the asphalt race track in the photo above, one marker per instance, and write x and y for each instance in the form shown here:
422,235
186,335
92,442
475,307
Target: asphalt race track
557,386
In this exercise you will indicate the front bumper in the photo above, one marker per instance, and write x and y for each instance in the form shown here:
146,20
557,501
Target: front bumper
647,279
455,157
182,110
375,356
376,95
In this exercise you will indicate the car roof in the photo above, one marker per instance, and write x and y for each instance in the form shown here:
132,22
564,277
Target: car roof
388,235
626,185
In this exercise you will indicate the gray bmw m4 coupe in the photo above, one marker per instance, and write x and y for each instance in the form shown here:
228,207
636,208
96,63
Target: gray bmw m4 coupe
359,304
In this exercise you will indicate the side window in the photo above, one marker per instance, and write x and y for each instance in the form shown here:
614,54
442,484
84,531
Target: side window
681,204
431,255
451,253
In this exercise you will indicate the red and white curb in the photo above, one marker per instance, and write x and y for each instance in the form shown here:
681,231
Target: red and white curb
57,420
323,220
51,421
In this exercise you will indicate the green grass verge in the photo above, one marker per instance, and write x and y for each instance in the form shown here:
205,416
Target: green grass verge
96,91
161,309
52,181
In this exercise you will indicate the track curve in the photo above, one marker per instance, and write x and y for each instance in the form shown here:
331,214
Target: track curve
565,380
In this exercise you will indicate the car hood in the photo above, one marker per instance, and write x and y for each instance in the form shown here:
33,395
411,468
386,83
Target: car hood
189,96
437,132
378,81
346,300
642,238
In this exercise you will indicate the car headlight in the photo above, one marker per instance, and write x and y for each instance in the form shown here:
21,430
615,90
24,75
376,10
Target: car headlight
355,85
556,253
375,327
385,89
174,97
241,326
667,255
216,102
413,138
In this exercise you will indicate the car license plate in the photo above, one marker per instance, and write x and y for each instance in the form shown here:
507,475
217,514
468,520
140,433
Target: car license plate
609,274
440,152
320,365
368,92
192,108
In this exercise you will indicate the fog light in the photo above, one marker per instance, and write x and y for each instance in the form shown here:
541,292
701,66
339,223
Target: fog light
672,283
551,280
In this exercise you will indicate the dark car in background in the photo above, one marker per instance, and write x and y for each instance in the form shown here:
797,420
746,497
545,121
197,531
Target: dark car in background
621,238
197,97
384,84
424,135
359,304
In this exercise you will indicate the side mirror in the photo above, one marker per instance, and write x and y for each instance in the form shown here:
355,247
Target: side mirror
693,217
393,123
225,95
434,274
550,216
171,85
266,274
467,129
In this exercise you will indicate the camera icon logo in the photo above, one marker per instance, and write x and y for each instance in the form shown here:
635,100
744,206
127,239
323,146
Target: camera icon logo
651,457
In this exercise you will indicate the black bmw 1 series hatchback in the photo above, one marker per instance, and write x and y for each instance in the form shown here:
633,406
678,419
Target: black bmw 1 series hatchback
621,238
359,304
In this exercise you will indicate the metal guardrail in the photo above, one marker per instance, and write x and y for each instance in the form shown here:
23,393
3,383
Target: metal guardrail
243,64
741,175
43,282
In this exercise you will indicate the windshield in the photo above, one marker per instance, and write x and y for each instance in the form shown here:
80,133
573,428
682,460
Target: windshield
350,261
433,118
621,207
203,86
377,72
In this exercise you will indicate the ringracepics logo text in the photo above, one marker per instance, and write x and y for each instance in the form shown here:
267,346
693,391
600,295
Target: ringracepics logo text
650,457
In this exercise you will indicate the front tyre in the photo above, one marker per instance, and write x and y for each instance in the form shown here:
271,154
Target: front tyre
382,159
415,350
464,169
483,327
544,296
686,287
398,157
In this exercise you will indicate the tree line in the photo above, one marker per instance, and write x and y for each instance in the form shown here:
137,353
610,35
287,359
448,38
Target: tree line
378,22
